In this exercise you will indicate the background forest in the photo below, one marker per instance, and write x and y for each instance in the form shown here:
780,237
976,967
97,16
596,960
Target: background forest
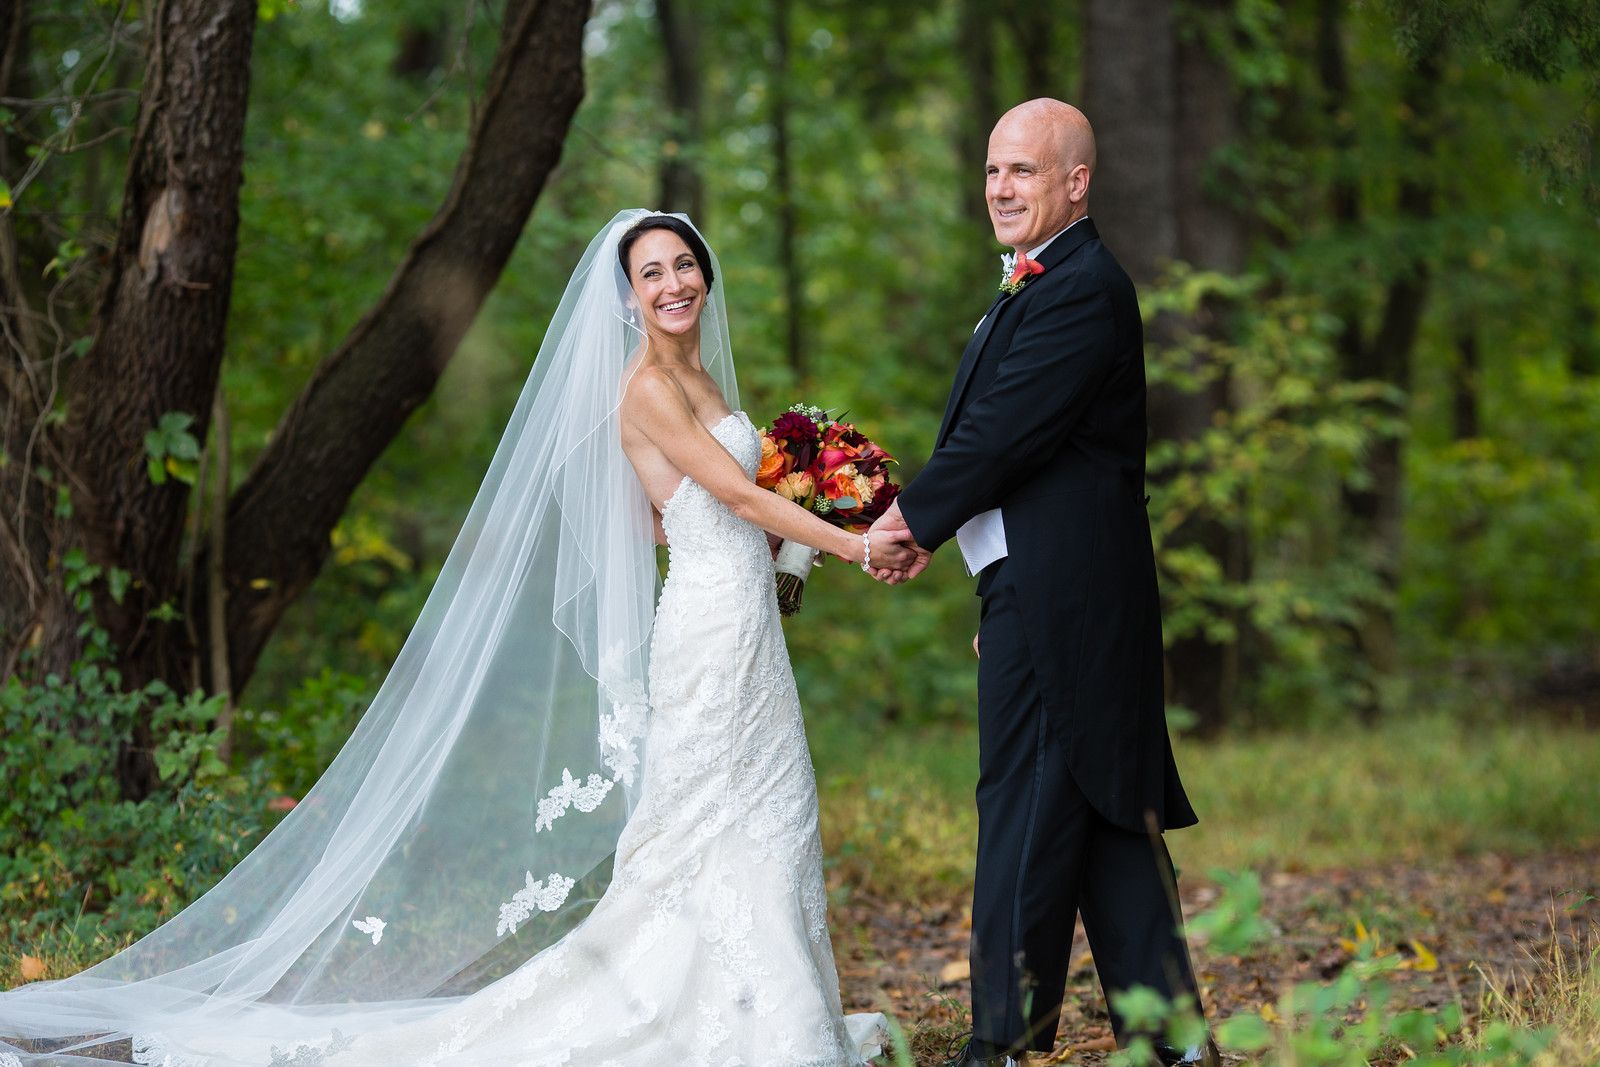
1367,239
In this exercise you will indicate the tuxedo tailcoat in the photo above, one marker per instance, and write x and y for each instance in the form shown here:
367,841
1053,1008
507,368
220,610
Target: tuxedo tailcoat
1046,422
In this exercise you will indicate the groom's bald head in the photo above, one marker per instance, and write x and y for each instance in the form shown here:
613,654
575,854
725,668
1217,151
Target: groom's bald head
1053,123
1041,155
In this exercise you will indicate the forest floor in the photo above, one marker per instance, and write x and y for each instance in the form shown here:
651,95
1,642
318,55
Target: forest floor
1453,922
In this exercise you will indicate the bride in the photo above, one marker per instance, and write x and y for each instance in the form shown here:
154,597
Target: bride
576,826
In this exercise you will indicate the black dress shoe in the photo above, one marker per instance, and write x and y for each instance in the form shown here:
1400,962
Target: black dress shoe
968,1056
1204,1056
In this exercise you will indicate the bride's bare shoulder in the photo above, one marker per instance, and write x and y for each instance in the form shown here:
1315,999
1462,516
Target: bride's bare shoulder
654,396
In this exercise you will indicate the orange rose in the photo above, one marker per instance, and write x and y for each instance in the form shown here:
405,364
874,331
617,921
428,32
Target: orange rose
773,463
841,489
797,486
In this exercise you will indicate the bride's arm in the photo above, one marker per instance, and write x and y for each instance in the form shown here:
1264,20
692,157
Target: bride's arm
657,408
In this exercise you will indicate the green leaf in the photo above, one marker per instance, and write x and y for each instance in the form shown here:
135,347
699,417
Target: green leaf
1143,1009
1248,1033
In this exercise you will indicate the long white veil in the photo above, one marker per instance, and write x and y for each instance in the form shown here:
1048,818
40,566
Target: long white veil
470,820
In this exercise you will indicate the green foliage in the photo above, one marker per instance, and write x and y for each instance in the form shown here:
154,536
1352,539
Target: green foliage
73,853
1270,470
1232,924
1341,1023
293,745
1505,554
170,449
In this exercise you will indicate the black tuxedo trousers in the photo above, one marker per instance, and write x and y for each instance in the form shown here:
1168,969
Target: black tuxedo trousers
1045,855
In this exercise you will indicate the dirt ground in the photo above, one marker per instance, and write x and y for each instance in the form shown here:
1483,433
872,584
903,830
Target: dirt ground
1478,914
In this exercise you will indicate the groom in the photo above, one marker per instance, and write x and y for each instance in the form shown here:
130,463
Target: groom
1039,476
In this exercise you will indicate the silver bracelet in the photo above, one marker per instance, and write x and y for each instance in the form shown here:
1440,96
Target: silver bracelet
866,546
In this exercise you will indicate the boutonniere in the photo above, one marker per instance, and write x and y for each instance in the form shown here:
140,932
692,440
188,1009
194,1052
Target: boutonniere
1018,269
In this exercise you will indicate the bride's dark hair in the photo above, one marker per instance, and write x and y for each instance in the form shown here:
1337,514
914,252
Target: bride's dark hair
697,247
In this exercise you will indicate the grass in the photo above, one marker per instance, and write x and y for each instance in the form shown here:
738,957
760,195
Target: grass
898,821
898,818
1558,990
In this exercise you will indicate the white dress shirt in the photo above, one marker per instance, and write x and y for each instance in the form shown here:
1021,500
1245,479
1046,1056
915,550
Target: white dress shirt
982,538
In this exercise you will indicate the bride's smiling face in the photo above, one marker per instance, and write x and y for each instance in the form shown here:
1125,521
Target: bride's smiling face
667,282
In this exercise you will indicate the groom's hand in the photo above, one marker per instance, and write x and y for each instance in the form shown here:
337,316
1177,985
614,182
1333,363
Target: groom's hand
893,552
893,525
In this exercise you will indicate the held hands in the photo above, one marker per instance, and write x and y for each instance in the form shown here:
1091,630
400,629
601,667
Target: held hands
901,559
893,552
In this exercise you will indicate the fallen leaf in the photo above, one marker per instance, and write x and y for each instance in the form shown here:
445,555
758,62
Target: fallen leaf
955,971
1270,1014
1097,1044
32,968
1425,960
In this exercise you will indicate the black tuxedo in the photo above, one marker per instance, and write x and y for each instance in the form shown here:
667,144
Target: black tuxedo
1046,421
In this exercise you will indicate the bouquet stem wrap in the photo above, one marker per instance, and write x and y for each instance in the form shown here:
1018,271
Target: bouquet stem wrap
794,565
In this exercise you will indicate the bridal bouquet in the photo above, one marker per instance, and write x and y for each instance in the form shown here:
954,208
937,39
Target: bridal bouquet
831,469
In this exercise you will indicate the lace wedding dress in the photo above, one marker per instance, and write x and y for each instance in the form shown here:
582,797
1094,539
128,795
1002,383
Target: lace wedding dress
711,944
546,714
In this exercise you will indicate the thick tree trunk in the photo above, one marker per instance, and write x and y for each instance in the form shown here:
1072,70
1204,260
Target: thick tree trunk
161,317
280,518
681,188
1130,97
1162,105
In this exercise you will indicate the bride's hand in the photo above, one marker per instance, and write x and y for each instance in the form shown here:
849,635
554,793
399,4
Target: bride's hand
895,551
774,542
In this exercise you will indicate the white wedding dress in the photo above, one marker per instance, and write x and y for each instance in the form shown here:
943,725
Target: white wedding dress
711,945
371,928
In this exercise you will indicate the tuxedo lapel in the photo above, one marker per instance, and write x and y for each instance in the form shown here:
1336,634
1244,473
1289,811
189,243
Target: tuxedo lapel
969,361
1059,250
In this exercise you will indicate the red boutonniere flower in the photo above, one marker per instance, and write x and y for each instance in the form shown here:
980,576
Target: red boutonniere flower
1017,274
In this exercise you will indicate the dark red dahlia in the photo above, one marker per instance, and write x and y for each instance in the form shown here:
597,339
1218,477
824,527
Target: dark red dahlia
794,427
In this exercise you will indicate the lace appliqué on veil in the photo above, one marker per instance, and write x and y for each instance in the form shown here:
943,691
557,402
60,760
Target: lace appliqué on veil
535,896
570,793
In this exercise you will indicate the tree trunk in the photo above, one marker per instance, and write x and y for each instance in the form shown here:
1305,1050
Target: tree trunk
1162,106
1583,346
216,572
1033,27
788,257
681,188
161,317
27,544
159,336
976,47
1375,511
358,398
1464,386
1130,97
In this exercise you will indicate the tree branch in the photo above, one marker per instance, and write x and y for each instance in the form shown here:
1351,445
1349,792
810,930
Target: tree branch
359,397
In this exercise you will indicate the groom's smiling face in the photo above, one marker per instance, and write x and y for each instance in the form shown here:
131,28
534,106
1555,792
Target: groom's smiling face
1035,186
